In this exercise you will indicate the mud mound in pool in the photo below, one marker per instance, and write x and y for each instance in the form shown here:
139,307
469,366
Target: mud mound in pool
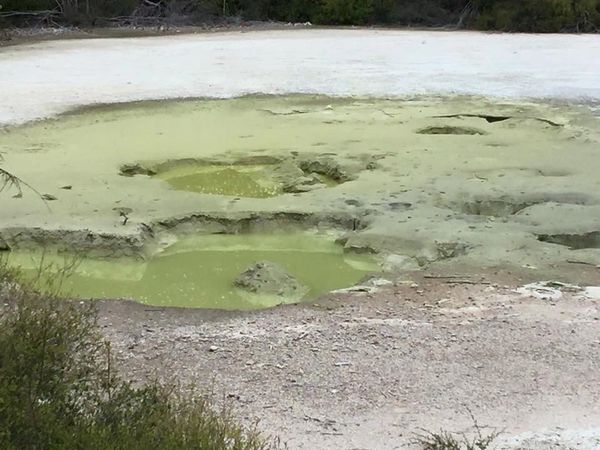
199,271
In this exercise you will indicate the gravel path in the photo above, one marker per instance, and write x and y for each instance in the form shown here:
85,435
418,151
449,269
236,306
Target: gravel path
366,371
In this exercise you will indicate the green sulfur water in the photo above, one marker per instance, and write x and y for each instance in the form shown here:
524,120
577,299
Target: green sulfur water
238,181
198,271
426,175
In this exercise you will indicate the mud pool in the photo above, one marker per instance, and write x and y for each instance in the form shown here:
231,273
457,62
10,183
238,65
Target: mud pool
222,181
198,271
416,182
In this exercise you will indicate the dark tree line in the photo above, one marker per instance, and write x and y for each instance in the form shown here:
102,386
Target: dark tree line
505,15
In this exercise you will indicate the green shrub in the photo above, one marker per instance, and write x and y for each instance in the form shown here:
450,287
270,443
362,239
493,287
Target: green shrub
423,13
346,12
587,15
506,15
59,391
27,5
539,15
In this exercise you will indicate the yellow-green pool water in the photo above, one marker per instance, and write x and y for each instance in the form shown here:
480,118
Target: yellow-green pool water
198,271
237,181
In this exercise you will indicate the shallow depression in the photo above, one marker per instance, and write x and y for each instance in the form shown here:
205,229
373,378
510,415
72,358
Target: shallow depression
234,180
199,271
486,178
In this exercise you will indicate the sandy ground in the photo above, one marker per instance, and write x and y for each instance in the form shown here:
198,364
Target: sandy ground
47,78
358,371
368,371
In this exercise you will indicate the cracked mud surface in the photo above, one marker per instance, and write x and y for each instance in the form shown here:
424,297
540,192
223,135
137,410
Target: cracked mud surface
367,371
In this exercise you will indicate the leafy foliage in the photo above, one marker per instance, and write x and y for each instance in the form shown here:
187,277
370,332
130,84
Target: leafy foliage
539,15
346,12
508,15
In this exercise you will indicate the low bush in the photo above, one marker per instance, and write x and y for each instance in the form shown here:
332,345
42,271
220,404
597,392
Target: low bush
479,439
448,441
59,390
345,12
539,15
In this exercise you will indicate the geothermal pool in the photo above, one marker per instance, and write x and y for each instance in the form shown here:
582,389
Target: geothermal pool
396,165
137,190
199,271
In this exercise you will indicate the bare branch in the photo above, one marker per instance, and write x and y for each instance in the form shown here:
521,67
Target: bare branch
155,4
45,13
10,181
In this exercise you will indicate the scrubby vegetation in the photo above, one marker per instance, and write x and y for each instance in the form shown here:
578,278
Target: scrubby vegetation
539,15
444,440
59,389
505,15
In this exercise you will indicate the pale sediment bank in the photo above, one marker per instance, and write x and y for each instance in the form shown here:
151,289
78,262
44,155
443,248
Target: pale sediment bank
44,79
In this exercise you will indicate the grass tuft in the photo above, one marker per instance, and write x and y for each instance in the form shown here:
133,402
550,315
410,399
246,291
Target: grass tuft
445,440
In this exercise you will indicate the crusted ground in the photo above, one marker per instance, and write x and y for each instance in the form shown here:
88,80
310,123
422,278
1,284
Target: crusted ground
367,371
56,76
419,181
